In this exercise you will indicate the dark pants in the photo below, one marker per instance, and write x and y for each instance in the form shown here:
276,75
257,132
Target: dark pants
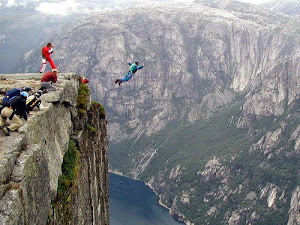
127,77
47,87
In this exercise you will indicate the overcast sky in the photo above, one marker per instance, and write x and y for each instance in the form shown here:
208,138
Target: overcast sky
255,1
65,7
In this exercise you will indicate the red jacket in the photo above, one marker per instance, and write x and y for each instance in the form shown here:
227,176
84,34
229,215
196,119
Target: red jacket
84,80
49,76
47,52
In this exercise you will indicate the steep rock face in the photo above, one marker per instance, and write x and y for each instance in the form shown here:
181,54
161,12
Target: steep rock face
215,55
211,122
94,166
89,194
30,160
294,211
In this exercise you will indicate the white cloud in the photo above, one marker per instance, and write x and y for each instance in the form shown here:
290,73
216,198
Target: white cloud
61,8
256,2
183,0
16,3
66,7
11,3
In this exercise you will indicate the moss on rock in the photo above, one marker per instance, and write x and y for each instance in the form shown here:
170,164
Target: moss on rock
69,169
83,99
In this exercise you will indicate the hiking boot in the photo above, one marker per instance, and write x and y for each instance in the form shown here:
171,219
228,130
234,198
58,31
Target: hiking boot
6,131
116,81
120,82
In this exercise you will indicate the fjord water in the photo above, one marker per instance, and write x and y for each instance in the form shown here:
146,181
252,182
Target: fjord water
134,203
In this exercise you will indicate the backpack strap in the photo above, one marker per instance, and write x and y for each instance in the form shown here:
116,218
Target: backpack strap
12,115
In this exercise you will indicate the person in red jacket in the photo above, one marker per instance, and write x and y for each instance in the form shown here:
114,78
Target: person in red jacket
47,79
50,76
84,80
46,56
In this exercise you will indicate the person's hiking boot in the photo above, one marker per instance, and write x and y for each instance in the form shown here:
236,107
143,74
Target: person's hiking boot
120,82
6,131
116,81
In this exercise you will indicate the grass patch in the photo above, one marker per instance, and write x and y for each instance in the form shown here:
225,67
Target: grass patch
90,128
69,169
66,185
82,99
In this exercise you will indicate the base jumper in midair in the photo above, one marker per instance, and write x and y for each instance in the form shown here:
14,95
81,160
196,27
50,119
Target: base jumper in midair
46,56
132,70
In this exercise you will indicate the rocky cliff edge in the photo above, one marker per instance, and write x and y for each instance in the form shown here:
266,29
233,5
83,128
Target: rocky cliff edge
31,159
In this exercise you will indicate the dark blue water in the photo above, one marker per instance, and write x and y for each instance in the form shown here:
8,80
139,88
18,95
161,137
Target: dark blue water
134,203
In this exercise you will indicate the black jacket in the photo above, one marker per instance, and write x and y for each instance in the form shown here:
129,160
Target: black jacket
19,106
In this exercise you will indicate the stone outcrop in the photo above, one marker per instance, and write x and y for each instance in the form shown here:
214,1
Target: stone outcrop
294,218
31,159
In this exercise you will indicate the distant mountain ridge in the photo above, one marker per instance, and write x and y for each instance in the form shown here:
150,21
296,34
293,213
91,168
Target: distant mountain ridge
290,7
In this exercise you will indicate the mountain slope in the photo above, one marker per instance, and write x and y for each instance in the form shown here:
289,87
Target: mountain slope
20,33
290,7
211,122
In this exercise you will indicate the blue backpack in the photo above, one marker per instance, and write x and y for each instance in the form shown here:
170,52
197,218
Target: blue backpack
9,96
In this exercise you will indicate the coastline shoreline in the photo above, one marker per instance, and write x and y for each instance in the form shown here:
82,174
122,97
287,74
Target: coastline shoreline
175,216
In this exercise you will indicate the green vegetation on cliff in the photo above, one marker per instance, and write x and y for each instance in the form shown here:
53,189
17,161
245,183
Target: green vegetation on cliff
188,144
102,109
69,169
66,183
83,99
192,145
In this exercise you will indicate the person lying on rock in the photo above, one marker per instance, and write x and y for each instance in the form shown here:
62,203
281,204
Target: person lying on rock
12,93
14,112
47,79
134,67
33,101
